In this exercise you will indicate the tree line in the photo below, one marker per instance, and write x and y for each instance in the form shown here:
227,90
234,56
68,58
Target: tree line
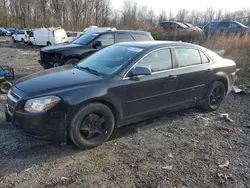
78,14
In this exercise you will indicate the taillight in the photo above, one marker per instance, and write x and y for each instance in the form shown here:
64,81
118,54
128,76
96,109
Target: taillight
53,33
26,36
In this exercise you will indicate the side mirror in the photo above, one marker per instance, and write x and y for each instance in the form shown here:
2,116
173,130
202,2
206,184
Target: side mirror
97,44
138,71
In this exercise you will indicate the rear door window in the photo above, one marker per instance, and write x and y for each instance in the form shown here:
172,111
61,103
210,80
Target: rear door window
204,58
20,32
141,37
187,57
124,37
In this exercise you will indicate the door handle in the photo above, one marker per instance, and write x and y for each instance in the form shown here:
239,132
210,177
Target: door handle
172,77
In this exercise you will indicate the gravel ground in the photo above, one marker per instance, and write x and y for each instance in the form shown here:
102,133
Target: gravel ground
179,150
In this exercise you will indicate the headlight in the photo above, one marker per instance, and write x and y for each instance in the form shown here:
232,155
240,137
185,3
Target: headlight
41,104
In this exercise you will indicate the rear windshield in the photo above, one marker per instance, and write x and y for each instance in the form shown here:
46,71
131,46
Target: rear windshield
109,60
86,38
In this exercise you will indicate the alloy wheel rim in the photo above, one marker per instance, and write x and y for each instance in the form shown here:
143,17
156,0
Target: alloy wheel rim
94,127
216,96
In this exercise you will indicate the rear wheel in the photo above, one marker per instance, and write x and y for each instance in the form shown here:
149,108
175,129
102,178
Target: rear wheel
5,87
92,125
22,41
72,61
215,96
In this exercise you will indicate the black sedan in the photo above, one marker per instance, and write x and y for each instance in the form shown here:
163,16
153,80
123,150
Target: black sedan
118,85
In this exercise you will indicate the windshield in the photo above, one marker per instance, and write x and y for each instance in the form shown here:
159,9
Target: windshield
110,59
86,38
189,25
183,25
242,25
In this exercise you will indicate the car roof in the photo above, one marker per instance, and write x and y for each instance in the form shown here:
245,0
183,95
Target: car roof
158,44
123,31
169,22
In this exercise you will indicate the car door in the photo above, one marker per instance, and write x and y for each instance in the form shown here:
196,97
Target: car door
151,93
223,27
194,73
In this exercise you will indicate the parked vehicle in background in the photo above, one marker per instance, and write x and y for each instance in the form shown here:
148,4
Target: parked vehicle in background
21,36
11,30
172,25
196,28
4,32
48,36
226,27
86,45
73,35
6,76
119,85
93,29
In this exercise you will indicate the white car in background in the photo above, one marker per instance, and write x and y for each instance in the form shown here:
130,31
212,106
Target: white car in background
21,36
73,35
48,36
93,29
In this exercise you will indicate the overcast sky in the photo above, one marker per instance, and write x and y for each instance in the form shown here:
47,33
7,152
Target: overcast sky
199,5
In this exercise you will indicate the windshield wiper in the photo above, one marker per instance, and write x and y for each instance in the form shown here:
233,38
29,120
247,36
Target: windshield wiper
89,70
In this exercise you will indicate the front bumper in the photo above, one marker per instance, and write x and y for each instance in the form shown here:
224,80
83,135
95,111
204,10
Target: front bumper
49,126
50,60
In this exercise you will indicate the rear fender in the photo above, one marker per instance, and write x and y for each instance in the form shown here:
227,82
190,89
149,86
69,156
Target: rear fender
224,78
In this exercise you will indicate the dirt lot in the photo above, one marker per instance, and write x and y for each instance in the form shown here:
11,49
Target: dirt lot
181,150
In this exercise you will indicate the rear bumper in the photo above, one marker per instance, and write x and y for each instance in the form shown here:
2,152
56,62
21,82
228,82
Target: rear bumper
45,126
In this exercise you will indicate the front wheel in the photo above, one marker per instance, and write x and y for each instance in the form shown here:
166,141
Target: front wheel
215,96
5,87
72,61
92,125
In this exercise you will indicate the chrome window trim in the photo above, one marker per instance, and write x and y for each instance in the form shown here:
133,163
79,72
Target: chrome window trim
177,68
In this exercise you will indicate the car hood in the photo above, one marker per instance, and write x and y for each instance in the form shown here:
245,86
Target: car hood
59,78
61,47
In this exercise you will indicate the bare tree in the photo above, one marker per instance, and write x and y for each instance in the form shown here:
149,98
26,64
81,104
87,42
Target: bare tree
162,16
181,14
219,14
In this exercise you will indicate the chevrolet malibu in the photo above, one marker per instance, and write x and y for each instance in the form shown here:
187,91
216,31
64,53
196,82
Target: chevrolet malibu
119,85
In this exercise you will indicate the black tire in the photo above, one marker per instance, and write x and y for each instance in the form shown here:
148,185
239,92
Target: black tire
72,61
14,41
49,44
22,41
5,87
82,127
215,96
